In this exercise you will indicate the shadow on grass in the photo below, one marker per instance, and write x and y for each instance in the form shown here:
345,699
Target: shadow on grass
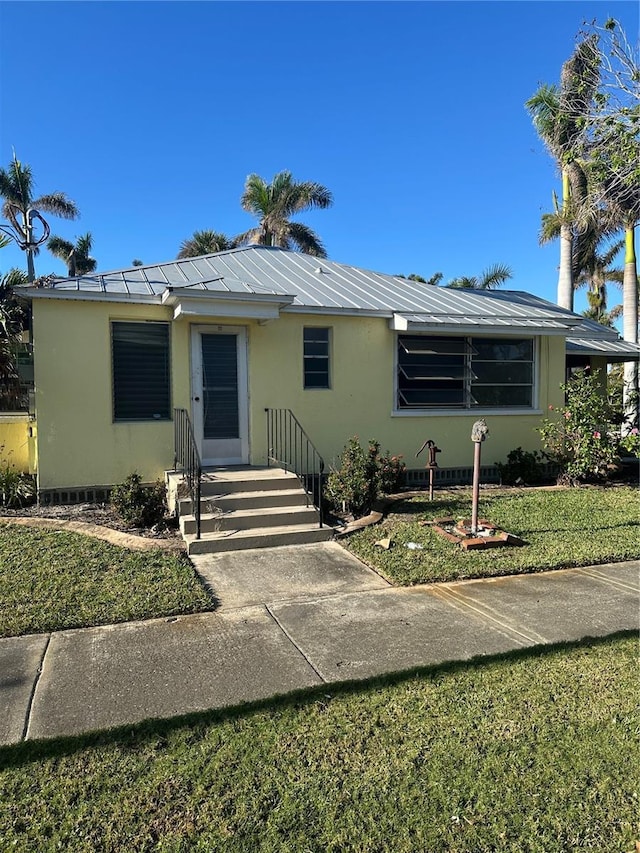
133,736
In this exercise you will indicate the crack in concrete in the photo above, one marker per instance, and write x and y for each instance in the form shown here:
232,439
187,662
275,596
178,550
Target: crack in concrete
36,681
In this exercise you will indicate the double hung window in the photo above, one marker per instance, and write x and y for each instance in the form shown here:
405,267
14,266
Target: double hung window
464,372
141,371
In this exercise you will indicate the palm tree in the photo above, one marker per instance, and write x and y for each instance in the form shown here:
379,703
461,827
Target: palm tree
16,188
76,257
205,243
558,116
434,279
274,204
12,321
489,279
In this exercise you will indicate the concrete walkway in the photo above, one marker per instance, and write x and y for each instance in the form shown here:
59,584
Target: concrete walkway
292,618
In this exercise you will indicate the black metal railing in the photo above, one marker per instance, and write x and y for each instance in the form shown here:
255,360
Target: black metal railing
186,460
289,446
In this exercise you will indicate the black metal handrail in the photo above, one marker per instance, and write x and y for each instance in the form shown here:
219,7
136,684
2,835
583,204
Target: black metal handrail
186,459
289,446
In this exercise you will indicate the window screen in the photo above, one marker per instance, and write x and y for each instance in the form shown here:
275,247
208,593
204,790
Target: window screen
461,372
141,384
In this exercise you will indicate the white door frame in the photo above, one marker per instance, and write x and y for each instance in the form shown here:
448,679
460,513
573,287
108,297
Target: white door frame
215,453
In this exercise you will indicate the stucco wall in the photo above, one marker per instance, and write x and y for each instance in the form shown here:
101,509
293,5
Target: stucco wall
16,442
79,445
361,399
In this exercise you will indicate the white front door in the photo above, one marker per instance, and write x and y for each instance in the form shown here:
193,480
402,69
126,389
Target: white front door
220,394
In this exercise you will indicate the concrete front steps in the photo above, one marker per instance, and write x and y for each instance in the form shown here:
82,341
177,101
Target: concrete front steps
244,507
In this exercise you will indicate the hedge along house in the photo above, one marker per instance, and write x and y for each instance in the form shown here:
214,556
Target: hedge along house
232,337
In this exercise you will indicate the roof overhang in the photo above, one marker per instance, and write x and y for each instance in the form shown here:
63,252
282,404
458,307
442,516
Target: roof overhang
206,303
479,324
612,350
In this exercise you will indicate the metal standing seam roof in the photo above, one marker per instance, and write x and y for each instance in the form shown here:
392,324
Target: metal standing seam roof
319,284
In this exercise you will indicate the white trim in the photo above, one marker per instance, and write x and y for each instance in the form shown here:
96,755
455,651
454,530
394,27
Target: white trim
476,411
15,417
90,296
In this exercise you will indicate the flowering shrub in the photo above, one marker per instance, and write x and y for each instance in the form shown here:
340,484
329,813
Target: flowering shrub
579,438
363,476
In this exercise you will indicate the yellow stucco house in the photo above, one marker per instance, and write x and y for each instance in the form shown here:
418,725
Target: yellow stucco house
228,336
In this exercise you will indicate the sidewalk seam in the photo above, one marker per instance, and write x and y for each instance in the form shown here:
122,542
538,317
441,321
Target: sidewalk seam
295,645
27,718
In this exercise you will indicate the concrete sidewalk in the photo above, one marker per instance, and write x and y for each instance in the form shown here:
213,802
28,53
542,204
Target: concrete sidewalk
351,625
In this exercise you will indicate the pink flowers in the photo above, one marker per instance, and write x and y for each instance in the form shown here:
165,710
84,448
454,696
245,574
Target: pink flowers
596,434
567,415
550,408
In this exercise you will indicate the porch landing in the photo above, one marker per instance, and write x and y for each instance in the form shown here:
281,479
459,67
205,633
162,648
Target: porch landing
246,507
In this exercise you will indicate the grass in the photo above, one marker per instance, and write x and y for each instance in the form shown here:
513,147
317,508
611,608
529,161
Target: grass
562,528
52,580
534,752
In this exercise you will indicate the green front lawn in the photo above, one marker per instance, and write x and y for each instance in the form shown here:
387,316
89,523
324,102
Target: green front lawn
51,580
567,527
534,752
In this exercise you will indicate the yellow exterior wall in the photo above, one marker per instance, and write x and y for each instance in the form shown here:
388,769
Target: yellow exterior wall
16,443
361,399
79,445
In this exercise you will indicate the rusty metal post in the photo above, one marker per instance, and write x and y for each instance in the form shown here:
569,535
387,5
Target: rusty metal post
476,487
479,432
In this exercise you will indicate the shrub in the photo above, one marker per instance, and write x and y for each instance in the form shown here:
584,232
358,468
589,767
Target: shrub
522,466
138,505
363,476
579,438
393,473
630,444
16,488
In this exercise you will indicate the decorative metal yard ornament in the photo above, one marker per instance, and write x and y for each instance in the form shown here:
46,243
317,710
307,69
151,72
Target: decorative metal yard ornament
21,230
432,463
479,432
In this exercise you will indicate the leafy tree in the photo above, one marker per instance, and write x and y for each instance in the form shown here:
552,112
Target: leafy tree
205,243
75,256
558,116
489,279
16,188
275,203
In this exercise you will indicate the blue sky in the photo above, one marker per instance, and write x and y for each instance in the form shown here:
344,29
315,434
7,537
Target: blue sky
151,115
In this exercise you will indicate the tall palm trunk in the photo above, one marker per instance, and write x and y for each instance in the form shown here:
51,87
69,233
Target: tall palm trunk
565,270
630,327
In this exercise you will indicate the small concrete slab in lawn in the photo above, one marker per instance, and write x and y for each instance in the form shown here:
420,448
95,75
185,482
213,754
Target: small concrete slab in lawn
20,659
265,575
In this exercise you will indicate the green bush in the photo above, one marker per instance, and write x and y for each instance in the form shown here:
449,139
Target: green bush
363,476
16,488
580,437
138,505
522,466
